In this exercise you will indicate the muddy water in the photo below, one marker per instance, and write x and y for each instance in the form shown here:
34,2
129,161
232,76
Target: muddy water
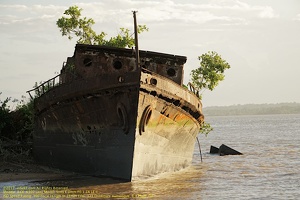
182,184
268,168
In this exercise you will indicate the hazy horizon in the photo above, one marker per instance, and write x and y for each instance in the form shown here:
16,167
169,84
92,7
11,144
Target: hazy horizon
259,39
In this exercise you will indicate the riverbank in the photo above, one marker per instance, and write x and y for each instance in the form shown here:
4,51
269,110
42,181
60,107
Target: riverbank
17,163
27,169
253,109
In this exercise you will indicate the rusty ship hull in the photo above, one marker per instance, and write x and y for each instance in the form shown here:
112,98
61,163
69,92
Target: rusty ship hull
106,116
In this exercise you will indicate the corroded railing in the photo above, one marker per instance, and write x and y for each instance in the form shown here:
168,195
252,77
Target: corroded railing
44,87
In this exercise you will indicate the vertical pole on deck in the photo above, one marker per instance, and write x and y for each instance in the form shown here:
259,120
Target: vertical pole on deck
137,53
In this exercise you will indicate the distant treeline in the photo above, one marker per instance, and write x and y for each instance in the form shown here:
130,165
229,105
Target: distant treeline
253,109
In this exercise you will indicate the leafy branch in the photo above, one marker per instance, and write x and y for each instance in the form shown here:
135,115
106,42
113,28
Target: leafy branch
75,25
208,76
210,72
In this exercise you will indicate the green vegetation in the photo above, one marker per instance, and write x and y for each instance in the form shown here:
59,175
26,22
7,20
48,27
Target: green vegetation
210,72
16,129
75,25
253,109
206,128
208,76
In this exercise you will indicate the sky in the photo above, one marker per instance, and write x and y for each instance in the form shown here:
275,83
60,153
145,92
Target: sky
260,39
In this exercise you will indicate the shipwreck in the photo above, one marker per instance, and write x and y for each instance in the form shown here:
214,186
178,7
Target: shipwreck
111,112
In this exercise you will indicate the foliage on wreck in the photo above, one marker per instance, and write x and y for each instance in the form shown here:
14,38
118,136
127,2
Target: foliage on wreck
207,76
76,25
210,72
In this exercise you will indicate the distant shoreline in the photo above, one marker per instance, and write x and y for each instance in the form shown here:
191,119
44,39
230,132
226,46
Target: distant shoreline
253,109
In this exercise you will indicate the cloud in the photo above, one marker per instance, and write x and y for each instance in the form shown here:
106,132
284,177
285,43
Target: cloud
267,12
11,14
297,18
117,12
15,7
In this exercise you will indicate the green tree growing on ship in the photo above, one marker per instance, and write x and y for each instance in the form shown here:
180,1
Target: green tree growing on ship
210,72
81,27
207,76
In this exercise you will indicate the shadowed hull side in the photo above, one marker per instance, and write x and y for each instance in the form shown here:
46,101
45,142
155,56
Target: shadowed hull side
91,133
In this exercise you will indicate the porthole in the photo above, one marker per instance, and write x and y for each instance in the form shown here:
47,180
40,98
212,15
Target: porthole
117,64
176,102
121,79
145,119
87,62
123,117
146,64
171,72
153,81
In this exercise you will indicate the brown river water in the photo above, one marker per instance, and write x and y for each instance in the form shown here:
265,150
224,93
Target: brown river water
268,169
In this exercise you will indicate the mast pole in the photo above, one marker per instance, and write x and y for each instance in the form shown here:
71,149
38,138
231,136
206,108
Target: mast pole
137,53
